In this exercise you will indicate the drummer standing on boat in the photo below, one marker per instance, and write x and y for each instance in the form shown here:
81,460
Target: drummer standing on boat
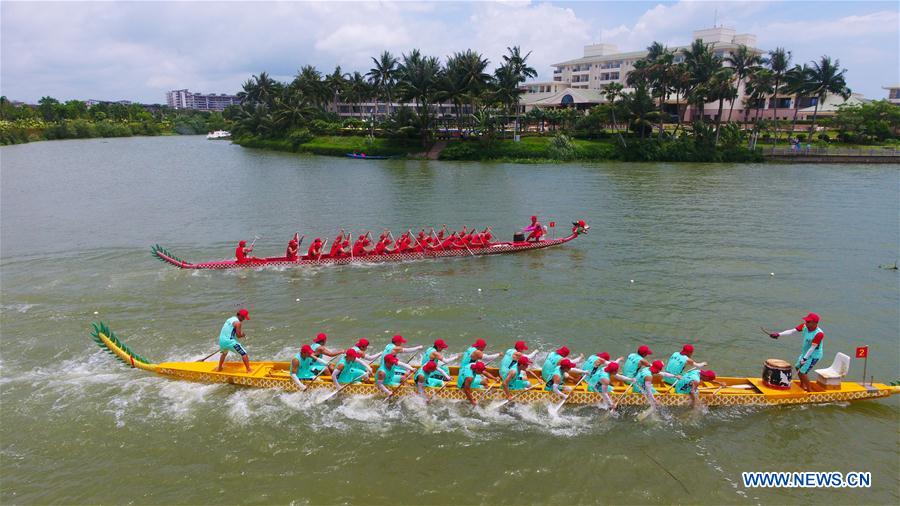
813,335
228,339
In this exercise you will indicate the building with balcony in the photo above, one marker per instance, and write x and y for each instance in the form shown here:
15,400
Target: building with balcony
579,82
184,99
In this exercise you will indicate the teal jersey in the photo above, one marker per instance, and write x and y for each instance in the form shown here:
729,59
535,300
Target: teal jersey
468,373
594,381
305,370
433,379
228,334
556,371
467,357
317,366
683,386
520,380
590,363
387,351
392,375
506,362
631,365
348,373
808,336
675,365
640,378
550,365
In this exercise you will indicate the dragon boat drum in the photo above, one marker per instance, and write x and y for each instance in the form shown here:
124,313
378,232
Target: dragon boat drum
777,374
519,237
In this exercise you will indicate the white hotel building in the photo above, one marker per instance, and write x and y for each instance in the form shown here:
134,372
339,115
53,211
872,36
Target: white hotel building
579,83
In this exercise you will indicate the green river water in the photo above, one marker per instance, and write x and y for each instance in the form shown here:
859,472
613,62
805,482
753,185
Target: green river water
698,241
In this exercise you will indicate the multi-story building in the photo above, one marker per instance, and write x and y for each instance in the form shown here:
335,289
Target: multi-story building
184,99
580,82
893,93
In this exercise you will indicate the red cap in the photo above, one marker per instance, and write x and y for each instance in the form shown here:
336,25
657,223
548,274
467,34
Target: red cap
604,356
656,366
581,223
440,344
362,343
242,243
243,314
707,375
566,364
644,350
564,351
524,361
478,366
390,358
306,350
687,349
534,218
811,318
480,344
430,366
612,367
320,338
520,346
351,354
398,339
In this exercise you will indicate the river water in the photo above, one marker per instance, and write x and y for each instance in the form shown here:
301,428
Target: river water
699,242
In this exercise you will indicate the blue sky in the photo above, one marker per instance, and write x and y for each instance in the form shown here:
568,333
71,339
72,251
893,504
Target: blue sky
138,50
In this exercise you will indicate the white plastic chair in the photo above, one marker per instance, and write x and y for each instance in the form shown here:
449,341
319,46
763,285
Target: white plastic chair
830,378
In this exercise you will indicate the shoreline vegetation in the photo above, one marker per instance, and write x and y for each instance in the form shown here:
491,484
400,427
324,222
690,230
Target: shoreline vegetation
655,119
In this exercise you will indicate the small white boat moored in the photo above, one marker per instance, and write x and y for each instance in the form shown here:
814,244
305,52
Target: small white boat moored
219,134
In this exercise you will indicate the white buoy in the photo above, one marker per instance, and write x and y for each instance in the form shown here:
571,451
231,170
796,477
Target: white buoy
479,289
96,312
632,281
298,300
771,274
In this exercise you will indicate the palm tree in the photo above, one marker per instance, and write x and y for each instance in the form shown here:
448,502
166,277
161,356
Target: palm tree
383,75
420,81
721,87
453,87
473,73
520,68
701,62
779,60
641,108
796,83
743,61
681,85
260,89
336,86
612,91
506,88
759,86
662,61
825,77
309,82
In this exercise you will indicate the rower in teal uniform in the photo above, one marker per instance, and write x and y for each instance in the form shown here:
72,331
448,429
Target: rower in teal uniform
679,360
643,381
392,373
361,347
813,335
436,353
516,377
601,381
689,384
430,376
228,339
475,353
512,355
558,375
471,378
302,366
347,369
553,360
636,360
320,350
396,347
597,362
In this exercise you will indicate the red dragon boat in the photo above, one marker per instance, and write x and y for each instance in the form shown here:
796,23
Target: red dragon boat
498,248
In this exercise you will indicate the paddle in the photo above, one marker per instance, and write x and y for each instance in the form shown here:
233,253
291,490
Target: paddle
332,394
554,409
530,387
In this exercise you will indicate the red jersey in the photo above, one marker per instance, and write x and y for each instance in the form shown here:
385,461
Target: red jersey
240,255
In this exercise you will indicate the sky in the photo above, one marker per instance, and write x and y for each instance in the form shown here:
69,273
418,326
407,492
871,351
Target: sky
139,50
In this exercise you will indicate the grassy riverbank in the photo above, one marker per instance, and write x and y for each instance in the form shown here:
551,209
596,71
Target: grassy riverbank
333,145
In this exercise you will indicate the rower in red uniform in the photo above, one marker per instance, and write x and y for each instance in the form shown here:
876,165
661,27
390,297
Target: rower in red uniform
293,249
536,229
315,249
359,247
337,245
381,245
241,252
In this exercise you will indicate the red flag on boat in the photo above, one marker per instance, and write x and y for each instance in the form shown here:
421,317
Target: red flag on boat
862,352
552,224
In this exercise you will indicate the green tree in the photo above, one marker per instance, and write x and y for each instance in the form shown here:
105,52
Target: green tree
384,76
702,63
612,91
743,61
49,108
779,60
825,77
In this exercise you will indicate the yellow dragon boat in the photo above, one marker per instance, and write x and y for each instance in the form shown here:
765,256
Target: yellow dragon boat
736,392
